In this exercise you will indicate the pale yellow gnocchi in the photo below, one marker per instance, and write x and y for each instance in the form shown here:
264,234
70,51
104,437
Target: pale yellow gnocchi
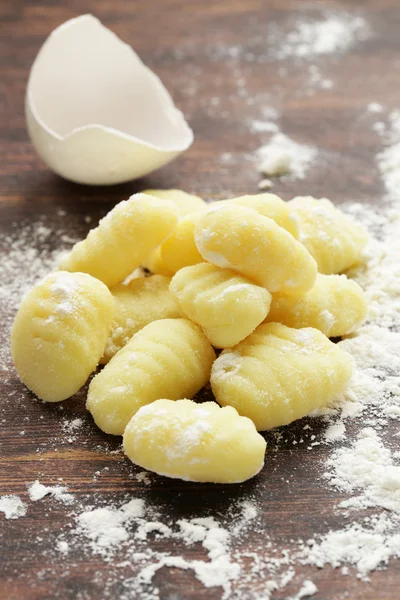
123,239
194,442
335,305
179,249
273,207
227,306
239,238
141,301
169,358
184,202
60,332
154,263
279,374
331,237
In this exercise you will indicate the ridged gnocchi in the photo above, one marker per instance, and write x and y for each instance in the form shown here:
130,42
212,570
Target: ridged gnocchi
59,333
123,239
335,305
331,237
184,202
279,374
194,442
236,237
270,205
141,301
169,358
227,306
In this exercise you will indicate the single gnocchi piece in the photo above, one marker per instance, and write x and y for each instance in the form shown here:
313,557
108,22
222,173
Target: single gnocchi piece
141,301
273,207
179,249
279,374
227,306
331,237
123,239
194,442
184,202
169,358
335,305
236,237
60,332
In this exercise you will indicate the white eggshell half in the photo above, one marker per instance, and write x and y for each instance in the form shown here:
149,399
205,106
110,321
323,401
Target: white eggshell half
95,113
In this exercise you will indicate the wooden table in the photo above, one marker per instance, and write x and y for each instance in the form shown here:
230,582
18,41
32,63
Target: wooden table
215,58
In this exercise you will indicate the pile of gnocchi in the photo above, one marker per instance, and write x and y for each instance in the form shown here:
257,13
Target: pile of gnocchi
163,282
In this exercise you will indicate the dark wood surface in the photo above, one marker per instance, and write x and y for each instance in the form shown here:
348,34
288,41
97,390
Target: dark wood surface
187,44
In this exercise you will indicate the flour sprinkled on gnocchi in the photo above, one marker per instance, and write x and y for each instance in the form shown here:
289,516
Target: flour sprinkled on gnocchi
123,239
168,358
335,305
59,333
141,301
226,305
256,247
333,239
279,374
254,275
194,442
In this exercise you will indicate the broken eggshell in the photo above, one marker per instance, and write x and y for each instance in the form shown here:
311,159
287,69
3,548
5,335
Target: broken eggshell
95,113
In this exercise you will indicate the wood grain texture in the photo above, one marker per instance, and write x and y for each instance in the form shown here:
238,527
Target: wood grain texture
215,59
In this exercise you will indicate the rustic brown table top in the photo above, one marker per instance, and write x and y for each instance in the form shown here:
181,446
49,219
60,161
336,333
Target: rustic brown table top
217,61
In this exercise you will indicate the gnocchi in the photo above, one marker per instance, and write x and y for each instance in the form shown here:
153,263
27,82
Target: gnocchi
236,237
227,306
59,333
279,374
273,207
335,305
184,202
154,263
123,239
141,301
194,442
331,237
179,249
169,358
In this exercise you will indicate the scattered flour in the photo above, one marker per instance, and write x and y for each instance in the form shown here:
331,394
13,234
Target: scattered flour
389,158
283,156
334,33
307,589
12,507
37,491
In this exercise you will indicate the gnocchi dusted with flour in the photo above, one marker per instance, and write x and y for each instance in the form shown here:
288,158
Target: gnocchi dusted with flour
227,306
194,442
270,205
334,240
184,202
279,374
335,305
244,279
59,333
239,238
141,301
123,239
169,358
